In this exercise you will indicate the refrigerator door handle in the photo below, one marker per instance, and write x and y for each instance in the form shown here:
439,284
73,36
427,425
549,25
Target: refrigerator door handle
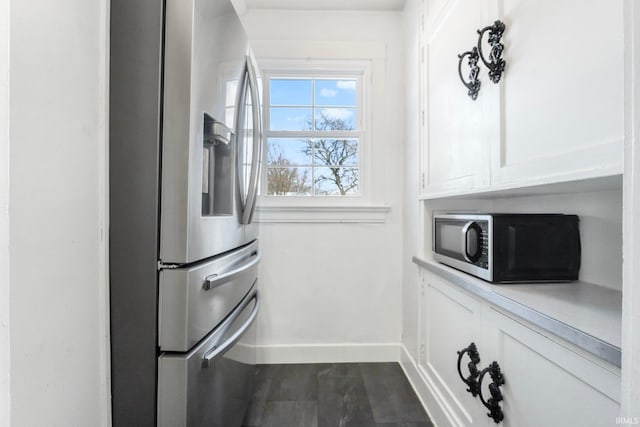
215,280
218,350
249,208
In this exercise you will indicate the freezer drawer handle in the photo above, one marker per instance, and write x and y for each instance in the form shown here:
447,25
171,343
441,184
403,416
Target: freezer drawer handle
216,350
215,280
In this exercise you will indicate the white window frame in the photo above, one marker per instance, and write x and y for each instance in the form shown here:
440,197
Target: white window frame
352,70
277,58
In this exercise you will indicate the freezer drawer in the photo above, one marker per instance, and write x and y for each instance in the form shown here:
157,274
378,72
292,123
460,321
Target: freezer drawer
194,300
212,384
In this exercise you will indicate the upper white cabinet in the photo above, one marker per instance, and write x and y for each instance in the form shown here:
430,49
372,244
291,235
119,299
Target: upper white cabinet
555,116
561,99
454,152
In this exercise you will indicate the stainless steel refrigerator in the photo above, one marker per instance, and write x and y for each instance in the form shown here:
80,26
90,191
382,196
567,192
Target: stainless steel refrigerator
185,151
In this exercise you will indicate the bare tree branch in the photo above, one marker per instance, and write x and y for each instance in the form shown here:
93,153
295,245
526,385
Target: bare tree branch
335,154
283,179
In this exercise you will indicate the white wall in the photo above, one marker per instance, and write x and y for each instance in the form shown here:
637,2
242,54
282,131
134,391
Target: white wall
631,213
332,291
4,213
58,54
410,221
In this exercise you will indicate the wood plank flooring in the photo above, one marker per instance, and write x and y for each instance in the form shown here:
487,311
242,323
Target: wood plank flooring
334,395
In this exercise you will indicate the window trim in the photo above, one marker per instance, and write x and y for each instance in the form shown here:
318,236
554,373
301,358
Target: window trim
372,214
319,69
279,55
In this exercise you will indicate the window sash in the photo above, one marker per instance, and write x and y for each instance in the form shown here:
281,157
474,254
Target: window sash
358,134
313,134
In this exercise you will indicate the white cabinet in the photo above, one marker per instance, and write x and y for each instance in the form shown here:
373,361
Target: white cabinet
451,321
555,116
455,154
560,103
548,381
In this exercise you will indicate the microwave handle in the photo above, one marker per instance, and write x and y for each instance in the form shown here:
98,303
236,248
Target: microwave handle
471,241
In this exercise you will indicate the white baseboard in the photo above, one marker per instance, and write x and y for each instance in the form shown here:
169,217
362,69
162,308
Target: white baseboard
328,353
440,413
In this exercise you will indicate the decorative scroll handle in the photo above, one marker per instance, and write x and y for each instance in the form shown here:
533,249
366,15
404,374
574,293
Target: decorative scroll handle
495,64
471,381
493,404
474,83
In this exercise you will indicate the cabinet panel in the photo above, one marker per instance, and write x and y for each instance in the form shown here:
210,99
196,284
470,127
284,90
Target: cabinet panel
434,7
451,321
561,98
558,112
454,149
548,384
548,381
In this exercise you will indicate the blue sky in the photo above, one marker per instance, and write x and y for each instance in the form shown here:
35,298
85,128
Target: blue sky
293,100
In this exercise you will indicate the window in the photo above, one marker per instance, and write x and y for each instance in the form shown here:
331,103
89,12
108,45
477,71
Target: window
314,135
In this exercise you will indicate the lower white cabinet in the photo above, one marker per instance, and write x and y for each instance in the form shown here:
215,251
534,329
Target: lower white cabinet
547,381
450,322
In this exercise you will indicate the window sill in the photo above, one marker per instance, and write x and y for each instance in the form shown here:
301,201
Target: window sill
376,214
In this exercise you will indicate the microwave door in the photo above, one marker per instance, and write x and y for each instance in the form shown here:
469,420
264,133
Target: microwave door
460,242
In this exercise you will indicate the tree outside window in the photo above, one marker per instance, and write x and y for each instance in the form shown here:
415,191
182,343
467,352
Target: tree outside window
313,137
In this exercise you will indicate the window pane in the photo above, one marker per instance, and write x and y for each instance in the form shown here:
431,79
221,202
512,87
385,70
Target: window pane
229,116
289,181
336,152
328,119
305,164
289,118
336,181
336,93
231,92
291,92
289,152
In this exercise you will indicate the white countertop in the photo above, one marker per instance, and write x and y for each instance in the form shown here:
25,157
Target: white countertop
587,315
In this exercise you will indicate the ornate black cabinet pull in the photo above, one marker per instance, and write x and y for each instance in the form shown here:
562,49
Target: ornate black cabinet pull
493,403
471,381
473,85
495,64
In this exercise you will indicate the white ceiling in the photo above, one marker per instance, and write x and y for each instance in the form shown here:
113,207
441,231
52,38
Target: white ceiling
362,5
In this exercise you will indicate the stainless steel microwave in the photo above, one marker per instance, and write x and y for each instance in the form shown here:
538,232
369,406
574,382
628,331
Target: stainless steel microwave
509,248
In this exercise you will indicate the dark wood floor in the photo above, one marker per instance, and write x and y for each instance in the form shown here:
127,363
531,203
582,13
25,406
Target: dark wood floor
334,395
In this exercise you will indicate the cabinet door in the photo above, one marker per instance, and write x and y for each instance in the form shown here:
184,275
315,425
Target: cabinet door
560,101
450,321
548,383
455,158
